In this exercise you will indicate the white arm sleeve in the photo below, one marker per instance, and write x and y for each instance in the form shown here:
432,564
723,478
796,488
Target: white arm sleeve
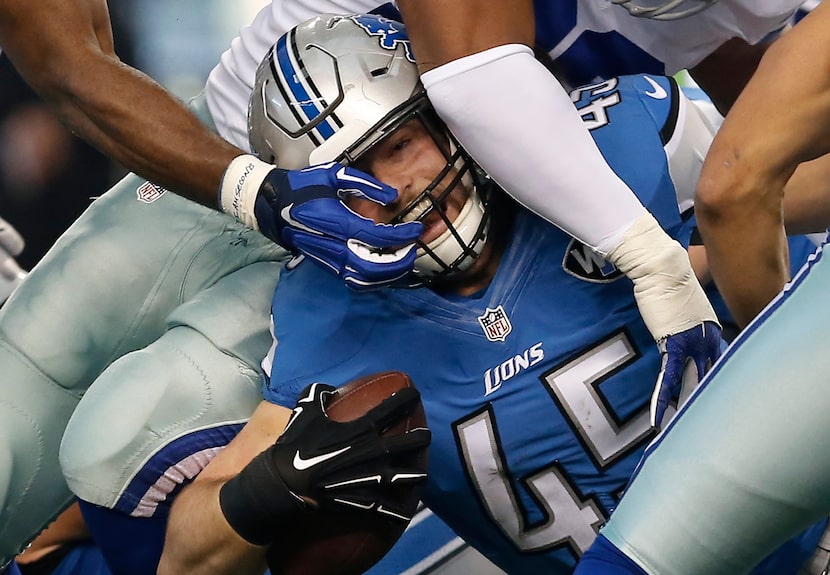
516,120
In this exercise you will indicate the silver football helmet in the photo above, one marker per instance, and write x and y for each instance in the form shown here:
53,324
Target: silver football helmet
664,9
333,88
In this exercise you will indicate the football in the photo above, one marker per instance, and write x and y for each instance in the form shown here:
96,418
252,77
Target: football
348,543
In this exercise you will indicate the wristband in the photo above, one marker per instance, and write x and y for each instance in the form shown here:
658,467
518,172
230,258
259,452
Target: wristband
257,504
240,187
668,294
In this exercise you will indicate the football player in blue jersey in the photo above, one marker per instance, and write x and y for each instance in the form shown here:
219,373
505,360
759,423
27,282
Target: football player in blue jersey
533,362
706,503
170,263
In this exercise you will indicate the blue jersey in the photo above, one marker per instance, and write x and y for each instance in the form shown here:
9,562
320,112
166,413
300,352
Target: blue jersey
536,393
536,389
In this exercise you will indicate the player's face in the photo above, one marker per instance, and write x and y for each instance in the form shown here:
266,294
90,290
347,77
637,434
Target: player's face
410,160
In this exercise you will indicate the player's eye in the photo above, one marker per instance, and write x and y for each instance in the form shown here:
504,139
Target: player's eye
401,145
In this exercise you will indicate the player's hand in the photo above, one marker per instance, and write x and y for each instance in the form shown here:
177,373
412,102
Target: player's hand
348,463
11,244
318,463
686,357
673,305
305,212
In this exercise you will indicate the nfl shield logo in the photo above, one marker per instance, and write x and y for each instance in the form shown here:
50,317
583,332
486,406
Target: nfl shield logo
149,193
495,323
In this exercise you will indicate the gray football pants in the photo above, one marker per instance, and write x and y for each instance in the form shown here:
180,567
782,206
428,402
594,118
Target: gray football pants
128,269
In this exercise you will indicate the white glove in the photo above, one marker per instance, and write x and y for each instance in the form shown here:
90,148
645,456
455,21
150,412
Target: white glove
11,244
674,308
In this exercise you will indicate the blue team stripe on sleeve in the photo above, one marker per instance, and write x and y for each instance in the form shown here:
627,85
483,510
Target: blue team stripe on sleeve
291,78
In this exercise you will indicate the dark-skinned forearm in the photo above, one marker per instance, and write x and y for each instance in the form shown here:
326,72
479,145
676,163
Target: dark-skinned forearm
64,50
780,120
144,128
747,252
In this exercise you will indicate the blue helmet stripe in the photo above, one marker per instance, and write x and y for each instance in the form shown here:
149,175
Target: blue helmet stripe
291,76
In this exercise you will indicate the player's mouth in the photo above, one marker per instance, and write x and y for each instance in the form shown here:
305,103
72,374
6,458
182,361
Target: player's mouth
425,211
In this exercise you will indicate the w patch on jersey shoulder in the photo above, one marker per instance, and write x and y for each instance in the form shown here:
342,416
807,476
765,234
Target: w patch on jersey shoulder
149,193
391,34
585,264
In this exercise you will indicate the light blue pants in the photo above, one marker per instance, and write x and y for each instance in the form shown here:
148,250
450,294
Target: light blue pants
135,269
746,464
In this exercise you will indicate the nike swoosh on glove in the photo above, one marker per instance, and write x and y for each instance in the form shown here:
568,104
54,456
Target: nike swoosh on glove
318,463
305,212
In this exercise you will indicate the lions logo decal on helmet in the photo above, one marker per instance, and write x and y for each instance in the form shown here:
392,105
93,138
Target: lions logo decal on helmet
390,33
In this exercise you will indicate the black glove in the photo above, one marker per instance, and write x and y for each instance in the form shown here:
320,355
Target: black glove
320,464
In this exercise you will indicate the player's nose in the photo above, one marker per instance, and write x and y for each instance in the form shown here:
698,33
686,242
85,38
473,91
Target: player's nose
401,180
